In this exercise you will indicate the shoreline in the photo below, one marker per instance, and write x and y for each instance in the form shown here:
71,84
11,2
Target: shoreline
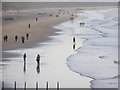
54,35
95,78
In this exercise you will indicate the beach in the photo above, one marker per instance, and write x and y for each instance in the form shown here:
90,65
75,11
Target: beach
38,32
61,60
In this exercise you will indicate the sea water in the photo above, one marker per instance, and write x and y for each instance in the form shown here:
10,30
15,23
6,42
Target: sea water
95,59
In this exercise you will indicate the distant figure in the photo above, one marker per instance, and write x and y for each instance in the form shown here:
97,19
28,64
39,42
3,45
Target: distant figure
5,38
29,25
27,35
16,38
82,24
23,39
36,19
38,59
57,15
24,57
71,18
74,39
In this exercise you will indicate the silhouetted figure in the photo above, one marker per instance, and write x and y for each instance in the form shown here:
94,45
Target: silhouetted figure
38,59
82,24
71,18
57,15
38,68
74,39
5,38
29,25
24,57
16,38
23,39
36,19
27,35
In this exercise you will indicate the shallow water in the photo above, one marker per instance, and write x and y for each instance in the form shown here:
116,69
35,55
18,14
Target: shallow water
96,58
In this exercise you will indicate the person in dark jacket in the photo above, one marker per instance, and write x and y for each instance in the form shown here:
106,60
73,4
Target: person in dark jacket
38,59
16,38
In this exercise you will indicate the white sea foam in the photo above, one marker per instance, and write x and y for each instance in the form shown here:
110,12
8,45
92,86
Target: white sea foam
96,57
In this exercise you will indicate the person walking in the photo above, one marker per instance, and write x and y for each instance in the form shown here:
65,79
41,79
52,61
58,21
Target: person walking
24,57
27,35
74,39
23,39
38,59
29,25
36,19
16,38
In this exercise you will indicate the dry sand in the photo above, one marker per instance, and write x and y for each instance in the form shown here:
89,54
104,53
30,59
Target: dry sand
39,31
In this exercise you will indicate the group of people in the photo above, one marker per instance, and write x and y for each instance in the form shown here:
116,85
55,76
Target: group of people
37,58
29,25
5,38
82,24
23,38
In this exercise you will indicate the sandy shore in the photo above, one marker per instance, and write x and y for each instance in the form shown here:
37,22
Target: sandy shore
55,62
39,31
